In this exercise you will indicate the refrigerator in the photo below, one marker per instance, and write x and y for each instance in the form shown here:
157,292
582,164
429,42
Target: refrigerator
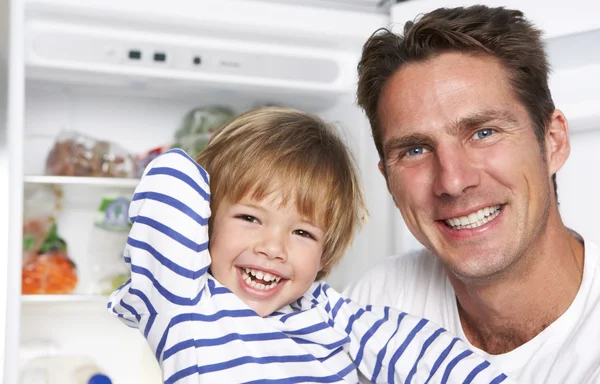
129,72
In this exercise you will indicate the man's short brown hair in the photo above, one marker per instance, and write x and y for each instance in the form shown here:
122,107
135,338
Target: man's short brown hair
281,150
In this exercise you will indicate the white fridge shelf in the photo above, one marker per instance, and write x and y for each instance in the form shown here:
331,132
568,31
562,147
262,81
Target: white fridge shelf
67,299
84,181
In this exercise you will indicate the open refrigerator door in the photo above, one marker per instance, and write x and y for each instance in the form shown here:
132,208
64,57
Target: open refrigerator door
11,186
108,85
4,177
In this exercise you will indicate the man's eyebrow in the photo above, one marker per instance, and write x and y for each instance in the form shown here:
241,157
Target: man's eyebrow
470,121
407,141
480,118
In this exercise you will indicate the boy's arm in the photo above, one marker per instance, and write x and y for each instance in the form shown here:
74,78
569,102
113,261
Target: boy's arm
389,346
167,247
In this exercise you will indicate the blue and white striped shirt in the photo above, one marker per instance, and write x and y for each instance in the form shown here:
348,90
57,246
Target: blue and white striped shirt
201,332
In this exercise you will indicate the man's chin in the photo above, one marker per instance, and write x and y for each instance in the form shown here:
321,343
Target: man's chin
479,273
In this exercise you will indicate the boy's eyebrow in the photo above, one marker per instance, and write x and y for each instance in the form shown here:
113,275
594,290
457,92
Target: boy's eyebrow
250,205
312,223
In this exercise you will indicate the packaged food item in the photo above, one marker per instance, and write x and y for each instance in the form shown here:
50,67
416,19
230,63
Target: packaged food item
75,154
198,125
47,268
145,158
41,202
113,214
111,228
35,232
51,271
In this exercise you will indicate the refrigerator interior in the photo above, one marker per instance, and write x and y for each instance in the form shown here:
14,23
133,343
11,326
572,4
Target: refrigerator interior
80,78
572,37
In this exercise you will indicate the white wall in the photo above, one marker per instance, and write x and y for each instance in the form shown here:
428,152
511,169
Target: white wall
553,17
579,185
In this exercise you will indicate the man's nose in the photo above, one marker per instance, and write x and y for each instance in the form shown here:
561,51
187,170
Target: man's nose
272,244
456,172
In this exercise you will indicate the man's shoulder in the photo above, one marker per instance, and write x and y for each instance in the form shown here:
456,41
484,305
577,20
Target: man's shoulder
386,281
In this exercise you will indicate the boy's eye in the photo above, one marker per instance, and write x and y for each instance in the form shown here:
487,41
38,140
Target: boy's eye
483,133
248,218
303,233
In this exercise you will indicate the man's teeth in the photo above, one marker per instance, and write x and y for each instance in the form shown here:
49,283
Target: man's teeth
260,275
475,219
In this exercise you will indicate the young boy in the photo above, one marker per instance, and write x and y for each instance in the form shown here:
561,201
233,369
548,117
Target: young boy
286,201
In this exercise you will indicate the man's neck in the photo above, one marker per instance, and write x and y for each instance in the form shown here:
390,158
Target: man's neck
501,316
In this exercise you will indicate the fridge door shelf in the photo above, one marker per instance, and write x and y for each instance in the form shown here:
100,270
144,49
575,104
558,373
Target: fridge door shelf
100,182
63,299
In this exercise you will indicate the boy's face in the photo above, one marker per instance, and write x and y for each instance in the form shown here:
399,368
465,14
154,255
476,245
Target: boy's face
267,254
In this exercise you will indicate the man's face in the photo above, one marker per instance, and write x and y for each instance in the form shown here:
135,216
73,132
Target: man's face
463,163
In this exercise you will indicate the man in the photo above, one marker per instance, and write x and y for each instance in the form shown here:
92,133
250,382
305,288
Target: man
469,143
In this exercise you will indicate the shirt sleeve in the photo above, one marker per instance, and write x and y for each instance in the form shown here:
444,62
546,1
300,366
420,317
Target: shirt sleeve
389,346
167,246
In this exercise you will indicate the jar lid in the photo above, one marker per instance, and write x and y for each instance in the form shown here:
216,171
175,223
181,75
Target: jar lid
99,379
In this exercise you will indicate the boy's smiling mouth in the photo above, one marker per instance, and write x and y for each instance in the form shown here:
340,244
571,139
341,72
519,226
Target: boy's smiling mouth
259,283
259,279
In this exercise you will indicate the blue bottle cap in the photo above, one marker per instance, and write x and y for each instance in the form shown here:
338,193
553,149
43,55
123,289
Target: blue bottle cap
99,379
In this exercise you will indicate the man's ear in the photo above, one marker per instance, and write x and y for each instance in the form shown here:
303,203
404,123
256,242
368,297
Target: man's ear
382,170
558,146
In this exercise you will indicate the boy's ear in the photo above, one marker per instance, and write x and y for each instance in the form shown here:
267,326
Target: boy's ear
321,267
558,146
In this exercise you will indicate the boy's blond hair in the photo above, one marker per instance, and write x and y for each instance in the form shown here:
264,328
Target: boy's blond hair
296,154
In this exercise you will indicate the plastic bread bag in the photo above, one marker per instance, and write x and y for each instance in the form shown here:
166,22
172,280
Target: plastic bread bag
75,154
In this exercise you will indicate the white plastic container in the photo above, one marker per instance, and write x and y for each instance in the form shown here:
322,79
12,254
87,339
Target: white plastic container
63,369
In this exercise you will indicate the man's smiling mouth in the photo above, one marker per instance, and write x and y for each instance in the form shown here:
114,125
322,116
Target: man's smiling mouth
474,219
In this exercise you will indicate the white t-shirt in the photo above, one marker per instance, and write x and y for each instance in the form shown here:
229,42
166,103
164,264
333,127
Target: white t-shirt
567,351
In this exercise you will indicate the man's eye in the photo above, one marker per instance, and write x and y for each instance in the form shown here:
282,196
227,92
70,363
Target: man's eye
416,151
483,133
248,218
303,233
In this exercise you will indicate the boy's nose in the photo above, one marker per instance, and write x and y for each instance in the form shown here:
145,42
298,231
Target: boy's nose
271,245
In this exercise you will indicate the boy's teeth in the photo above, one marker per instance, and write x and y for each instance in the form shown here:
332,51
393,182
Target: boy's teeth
474,219
264,276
